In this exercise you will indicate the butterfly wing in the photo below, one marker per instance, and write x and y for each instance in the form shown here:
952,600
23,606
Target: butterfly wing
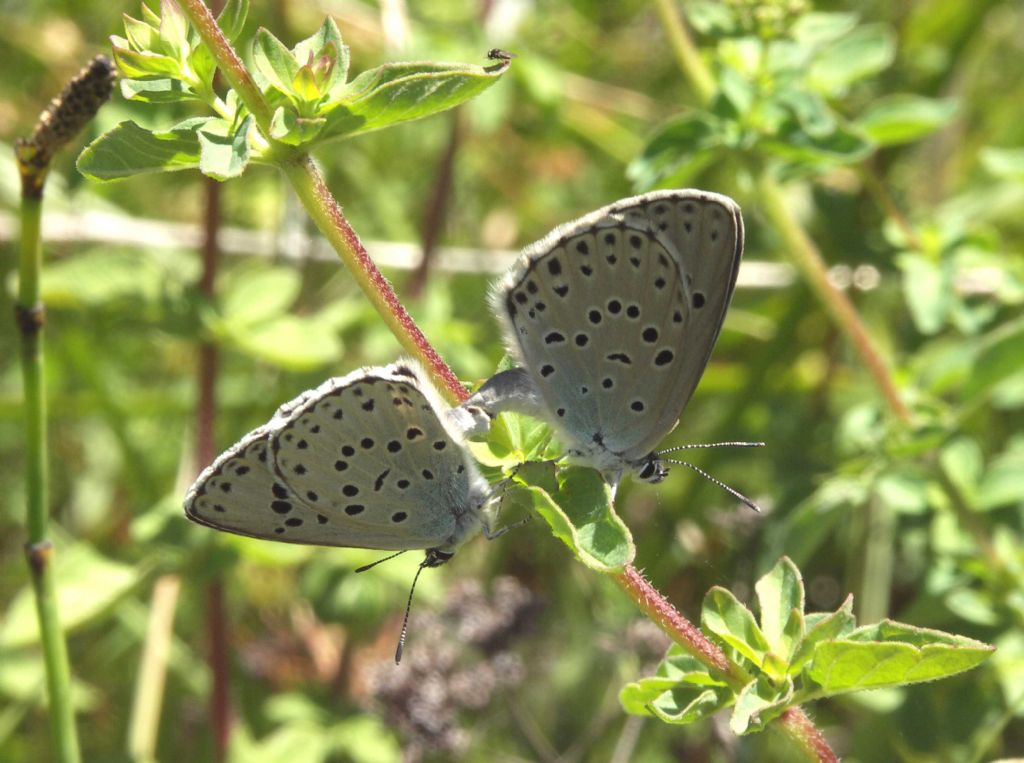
705,232
606,318
371,452
598,313
240,493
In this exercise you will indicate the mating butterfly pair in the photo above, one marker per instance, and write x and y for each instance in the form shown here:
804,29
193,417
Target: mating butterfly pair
612,318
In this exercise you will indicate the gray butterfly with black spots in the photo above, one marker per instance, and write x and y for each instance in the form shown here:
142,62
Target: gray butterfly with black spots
612,319
374,459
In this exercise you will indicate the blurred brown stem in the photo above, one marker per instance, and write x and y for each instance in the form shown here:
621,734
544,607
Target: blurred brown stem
206,407
436,214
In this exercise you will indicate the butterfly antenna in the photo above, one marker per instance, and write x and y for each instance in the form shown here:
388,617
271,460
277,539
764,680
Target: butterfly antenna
371,565
705,475
408,608
694,446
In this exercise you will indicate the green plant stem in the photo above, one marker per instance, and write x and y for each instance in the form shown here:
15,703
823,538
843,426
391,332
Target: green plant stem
685,51
38,549
807,258
323,208
152,677
801,248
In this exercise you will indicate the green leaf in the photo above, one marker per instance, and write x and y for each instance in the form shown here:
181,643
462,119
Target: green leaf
514,439
811,111
274,61
289,341
928,291
999,358
1002,485
162,90
892,654
723,615
963,463
231,20
866,51
401,92
259,294
820,627
293,130
759,702
580,514
1004,163
840,147
904,118
780,596
678,149
140,34
671,701
818,28
87,584
173,28
223,156
141,64
128,150
326,41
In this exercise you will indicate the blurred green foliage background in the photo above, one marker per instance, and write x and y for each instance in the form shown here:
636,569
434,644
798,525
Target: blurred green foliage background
900,143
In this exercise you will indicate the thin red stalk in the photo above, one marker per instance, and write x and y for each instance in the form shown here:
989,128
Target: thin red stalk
668,618
335,227
206,406
437,205
802,728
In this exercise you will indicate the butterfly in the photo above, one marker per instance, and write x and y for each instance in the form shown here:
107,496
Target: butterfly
374,459
612,319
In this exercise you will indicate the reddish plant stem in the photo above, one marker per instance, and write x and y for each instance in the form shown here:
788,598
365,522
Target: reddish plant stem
437,205
800,727
205,447
334,226
668,618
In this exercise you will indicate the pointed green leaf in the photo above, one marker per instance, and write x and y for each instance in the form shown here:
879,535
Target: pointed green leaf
140,34
759,702
823,627
304,85
224,156
286,126
256,294
203,66
173,28
162,90
580,514
816,28
892,654
400,92
144,63
326,41
514,439
87,584
128,150
723,615
232,19
274,61
673,702
903,118
292,342
780,596
866,51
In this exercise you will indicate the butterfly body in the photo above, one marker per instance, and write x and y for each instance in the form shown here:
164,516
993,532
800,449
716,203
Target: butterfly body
612,318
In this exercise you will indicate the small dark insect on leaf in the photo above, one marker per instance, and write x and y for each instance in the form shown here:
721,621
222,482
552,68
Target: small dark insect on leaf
497,54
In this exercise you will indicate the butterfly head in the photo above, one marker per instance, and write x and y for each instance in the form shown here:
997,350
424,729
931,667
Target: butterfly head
650,469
